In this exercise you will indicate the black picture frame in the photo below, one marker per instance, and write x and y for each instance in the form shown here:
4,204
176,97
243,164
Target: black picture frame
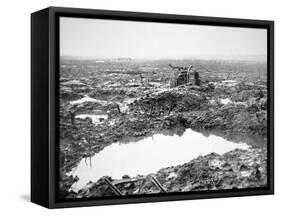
44,104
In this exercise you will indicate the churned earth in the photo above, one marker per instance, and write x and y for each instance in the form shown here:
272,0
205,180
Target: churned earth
97,113
233,170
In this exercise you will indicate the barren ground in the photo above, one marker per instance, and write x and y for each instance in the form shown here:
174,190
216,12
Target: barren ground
230,102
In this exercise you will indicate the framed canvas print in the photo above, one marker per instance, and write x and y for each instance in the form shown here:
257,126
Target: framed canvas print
139,107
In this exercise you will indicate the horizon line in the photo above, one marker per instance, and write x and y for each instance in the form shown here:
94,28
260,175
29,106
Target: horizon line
259,58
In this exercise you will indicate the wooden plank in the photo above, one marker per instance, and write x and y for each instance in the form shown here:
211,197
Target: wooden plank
158,185
113,187
123,181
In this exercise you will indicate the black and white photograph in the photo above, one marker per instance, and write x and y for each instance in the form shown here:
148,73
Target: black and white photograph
140,108
160,108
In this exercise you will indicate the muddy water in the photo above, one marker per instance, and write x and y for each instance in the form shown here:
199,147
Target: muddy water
225,101
87,99
149,155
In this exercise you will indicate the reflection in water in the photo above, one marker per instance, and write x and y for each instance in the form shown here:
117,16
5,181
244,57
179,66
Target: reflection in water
171,132
253,140
149,155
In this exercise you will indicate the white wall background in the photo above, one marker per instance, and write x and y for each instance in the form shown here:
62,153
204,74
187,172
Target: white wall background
15,106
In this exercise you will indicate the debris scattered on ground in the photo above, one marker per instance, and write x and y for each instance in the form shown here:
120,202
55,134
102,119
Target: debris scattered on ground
141,106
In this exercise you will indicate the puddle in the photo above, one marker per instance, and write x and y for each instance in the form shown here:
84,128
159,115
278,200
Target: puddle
95,118
87,99
225,101
74,82
253,140
229,81
149,155
226,83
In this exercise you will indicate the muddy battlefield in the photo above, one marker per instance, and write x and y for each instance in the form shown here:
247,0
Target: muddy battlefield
131,127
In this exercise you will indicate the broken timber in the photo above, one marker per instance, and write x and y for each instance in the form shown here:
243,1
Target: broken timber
123,181
158,185
113,187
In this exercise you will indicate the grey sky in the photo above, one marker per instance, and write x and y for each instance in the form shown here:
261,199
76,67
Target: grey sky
129,39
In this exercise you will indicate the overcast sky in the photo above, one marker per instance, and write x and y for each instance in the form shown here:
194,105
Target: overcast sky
94,38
